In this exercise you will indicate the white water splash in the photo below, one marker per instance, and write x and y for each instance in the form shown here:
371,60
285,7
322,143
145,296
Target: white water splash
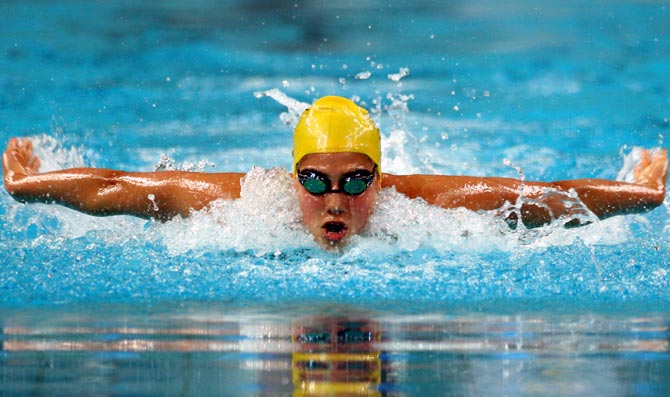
265,219
402,152
54,156
400,223
167,163
295,107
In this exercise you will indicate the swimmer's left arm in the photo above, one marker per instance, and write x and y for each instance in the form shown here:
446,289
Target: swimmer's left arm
604,198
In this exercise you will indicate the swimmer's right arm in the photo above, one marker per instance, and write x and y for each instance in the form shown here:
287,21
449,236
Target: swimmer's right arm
97,191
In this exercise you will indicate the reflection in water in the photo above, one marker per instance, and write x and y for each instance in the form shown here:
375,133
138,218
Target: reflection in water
336,357
214,354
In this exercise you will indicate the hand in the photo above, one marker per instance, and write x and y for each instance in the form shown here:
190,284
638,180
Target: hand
19,161
652,170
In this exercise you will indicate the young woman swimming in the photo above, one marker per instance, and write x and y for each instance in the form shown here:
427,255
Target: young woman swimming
337,175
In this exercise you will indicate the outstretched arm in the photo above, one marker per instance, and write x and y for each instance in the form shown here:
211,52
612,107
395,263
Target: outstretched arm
159,195
544,201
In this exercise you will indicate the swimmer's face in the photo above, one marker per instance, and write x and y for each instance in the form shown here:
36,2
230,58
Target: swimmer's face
334,217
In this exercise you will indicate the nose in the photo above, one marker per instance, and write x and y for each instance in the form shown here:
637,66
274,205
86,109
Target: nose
336,203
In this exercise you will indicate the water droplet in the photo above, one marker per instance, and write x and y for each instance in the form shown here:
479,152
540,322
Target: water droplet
397,76
363,75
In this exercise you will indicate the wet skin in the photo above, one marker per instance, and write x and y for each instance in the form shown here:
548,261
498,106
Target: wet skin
333,218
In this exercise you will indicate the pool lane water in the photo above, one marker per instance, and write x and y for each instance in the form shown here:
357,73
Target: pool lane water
211,351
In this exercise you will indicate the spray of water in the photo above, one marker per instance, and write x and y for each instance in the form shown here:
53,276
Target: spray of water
294,107
264,220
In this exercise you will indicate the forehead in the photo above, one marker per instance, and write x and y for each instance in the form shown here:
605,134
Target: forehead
336,162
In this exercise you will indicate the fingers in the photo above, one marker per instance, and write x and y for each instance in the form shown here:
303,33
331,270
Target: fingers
661,154
642,163
661,159
19,159
23,146
652,169
32,164
645,158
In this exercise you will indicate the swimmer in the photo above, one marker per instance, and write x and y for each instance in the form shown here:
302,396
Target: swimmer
337,175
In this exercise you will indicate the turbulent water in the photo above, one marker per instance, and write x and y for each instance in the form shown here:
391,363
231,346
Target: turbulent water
255,249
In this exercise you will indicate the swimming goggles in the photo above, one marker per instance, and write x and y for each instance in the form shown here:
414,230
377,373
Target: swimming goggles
353,184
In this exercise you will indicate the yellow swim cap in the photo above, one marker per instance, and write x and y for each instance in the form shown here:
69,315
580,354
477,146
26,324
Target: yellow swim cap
334,125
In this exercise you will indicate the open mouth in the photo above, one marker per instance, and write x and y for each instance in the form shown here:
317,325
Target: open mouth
334,231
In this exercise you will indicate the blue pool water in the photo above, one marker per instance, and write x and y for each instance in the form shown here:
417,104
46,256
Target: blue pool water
428,301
